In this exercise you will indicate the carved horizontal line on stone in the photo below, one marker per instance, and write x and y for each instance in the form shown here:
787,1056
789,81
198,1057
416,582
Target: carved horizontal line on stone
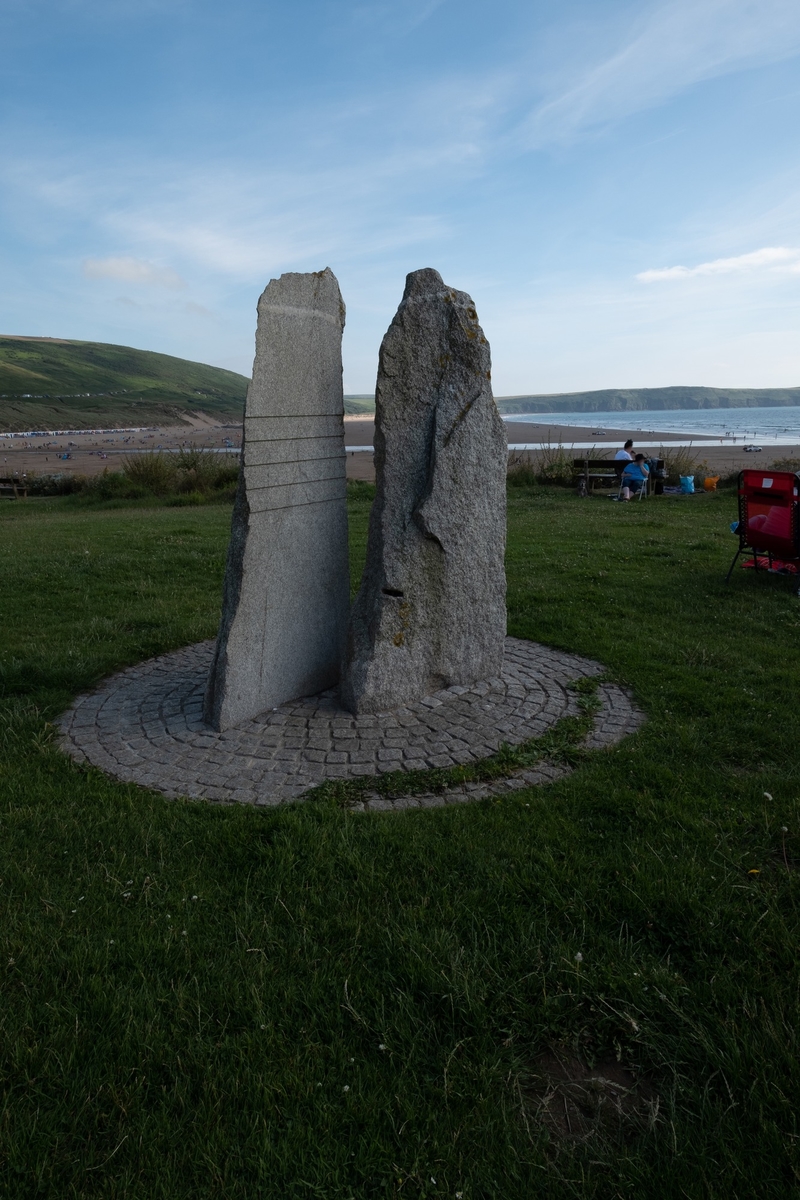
306,437
334,439
304,487
277,428
338,474
296,310
296,462
319,416
299,504
275,460
265,476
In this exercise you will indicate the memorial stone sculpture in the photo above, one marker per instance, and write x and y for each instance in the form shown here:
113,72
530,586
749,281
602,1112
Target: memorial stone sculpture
430,612
286,590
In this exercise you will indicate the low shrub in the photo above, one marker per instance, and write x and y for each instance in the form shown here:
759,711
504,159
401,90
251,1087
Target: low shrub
521,472
730,480
554,464
681,460
203,471
189,476
113,485
551,464
55,485
153,470
189,471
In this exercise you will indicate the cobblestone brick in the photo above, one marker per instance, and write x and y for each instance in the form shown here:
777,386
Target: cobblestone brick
142,726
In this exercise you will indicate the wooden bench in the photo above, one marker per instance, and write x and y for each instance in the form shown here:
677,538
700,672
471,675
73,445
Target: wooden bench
589,473
607,472
14,487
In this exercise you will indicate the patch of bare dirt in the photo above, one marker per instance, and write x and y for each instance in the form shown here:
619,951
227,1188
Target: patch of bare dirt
576,1102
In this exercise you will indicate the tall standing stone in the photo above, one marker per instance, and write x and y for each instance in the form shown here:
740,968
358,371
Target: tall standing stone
431,612
286,591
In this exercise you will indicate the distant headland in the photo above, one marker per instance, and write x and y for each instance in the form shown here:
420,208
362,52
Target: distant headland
650,399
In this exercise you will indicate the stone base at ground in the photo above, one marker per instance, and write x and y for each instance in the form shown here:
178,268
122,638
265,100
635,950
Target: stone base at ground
145,726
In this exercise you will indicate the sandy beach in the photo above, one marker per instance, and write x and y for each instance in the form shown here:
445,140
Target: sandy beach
91,453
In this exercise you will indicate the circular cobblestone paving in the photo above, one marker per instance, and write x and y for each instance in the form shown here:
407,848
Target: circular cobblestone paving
145,726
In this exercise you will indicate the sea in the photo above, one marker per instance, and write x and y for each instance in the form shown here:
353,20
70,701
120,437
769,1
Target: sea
701,426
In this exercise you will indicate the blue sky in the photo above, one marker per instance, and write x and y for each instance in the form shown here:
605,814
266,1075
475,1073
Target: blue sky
616,184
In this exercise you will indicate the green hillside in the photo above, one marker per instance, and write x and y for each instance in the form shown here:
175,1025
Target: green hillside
360,406
46,383
650,399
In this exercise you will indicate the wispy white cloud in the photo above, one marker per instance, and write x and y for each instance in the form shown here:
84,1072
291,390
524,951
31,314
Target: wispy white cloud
235,222
674,45
769,257
131,270
224,226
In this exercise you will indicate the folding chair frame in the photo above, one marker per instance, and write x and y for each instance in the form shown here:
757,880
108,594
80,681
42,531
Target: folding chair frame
787,549
643,491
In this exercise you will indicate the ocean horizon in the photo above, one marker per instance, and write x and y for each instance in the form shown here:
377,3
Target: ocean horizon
777,426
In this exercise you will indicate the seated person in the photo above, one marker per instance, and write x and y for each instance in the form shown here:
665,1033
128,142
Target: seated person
635,477
623,457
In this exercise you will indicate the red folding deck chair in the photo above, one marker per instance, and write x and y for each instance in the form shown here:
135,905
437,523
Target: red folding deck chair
769,517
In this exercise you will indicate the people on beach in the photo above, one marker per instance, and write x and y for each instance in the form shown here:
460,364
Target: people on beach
626,454
635,477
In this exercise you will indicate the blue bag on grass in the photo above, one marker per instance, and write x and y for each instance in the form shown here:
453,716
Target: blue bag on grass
687,485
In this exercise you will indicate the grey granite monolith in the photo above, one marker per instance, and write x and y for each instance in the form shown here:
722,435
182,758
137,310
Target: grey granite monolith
286,590
431,612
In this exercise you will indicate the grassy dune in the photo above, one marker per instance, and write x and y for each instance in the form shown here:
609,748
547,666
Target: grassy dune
204,1002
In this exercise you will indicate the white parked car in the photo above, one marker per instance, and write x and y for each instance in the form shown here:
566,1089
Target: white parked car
752,449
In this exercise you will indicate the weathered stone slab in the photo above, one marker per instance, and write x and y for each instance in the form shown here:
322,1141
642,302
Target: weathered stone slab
286,592
430,612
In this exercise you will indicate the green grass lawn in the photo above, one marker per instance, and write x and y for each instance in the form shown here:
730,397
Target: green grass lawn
220,1002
